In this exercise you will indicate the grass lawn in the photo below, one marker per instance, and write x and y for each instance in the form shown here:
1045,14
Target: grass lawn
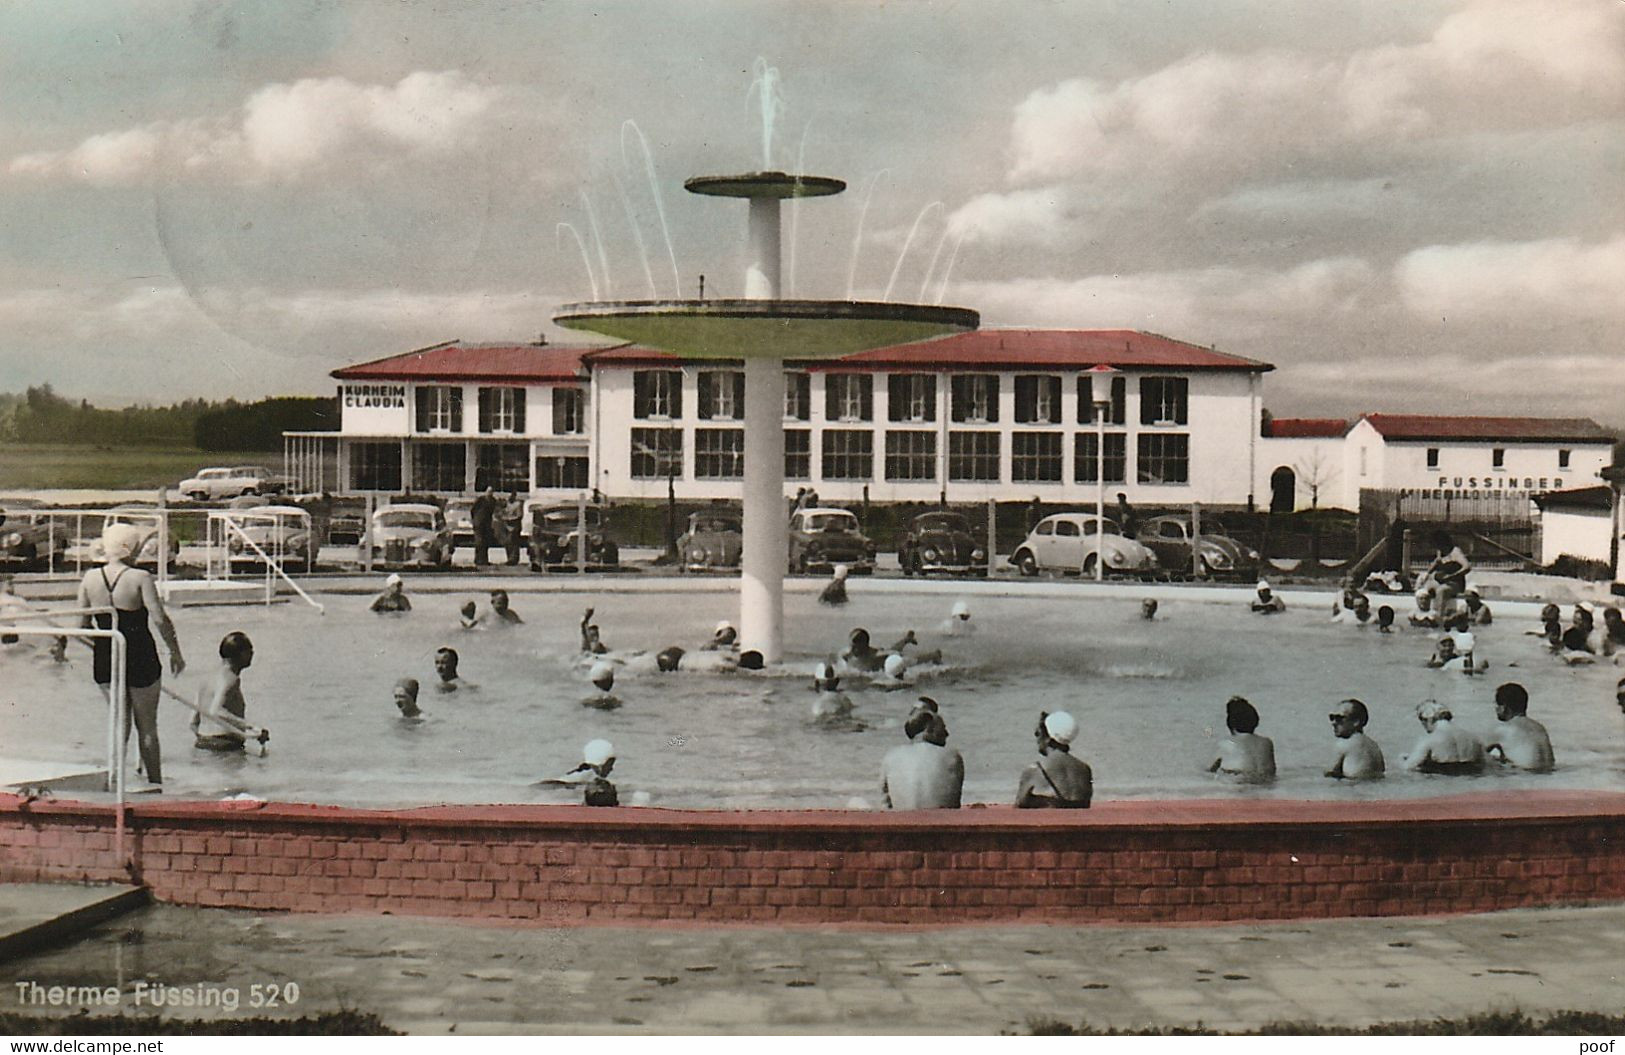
32,466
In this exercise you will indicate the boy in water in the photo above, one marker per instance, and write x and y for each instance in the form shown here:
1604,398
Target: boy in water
958,623
223,717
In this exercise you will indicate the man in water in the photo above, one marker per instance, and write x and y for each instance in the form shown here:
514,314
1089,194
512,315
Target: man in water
1245,755
1613,631
445,665
1455,654
958,623
835,592
1478,613
724,637
668,660
1148,609
1519,741
1266,603
406,698
503,615
591,642
394,598
924,774
223,712
1443,748
1358,757
1357,613
1385,619
469,617
860,655
1056,780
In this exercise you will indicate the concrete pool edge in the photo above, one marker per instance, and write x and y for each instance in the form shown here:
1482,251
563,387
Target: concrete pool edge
1123,862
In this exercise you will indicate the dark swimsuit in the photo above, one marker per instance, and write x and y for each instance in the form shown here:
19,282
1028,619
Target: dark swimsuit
141,666
1453,769
1058,801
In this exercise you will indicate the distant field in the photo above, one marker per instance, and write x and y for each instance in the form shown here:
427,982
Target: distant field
31,466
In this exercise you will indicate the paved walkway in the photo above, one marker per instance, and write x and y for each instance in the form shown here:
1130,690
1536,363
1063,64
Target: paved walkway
435,977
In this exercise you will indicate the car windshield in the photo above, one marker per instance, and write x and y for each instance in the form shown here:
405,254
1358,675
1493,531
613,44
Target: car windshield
942,522
406,519
250,470
713,522
832,522
565,519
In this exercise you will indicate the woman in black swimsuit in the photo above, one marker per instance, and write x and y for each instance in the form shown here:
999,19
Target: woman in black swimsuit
137,606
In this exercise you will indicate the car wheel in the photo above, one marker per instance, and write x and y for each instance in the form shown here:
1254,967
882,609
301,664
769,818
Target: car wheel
612,555
907,562
1089,566
198,496
1027,563
249,491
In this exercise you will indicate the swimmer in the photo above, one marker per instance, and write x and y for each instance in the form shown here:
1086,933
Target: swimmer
900,646
223,712
1455,654
1519,741
1478,613
592,775
470,620
1613,631
1266,603
1548,614
591,642
406,699
668,660
835,592
1245,755
445,665
1056,780
1357,756
394,598
1619,695
725,636
1148,609
860,655
602,677
501,613
1444,749
829,702
1424,616
750,659
1358,614
958,623
1385,619
925,773
895,671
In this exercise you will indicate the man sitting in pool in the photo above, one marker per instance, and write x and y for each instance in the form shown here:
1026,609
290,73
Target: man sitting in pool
501,614
1056,780
222,712
1443,748
406,699
445,665
1519,741
394,598
924,774
1358,757
1244,755
591,642
1266,603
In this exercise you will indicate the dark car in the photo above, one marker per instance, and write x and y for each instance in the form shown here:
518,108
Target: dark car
823,538
1169,537
941,541
28,541
554,532
713,540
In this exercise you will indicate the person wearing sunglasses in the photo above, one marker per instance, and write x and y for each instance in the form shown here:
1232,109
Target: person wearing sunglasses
1358,757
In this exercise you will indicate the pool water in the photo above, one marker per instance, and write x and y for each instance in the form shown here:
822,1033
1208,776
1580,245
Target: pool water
1149,698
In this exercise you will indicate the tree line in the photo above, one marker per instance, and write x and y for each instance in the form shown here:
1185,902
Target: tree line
41,415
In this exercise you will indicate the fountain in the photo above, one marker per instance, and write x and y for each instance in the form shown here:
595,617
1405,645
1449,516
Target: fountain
765,331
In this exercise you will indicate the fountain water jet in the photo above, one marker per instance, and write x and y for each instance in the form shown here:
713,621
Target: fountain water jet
598,239
907,242
586,262
654,192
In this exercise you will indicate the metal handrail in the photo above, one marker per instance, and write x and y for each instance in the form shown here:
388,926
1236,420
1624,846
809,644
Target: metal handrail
271,566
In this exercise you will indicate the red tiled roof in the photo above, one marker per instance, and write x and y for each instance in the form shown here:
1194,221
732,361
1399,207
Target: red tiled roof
1512,430
1306,428
454,361
1024,349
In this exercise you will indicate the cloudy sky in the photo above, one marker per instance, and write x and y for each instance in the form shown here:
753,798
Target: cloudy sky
1404,206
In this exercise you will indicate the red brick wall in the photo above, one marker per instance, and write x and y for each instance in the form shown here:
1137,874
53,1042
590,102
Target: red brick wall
1120,862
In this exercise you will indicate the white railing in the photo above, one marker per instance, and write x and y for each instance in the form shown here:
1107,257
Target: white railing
72,539
230,530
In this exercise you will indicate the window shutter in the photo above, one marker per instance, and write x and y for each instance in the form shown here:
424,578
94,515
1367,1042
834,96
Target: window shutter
708,403
956,397
897,397
485,396
1119,398
640,394
1053,385
739,395
1150,399
676,377
866,392
992,398
519,410
832,397
456,408
422,394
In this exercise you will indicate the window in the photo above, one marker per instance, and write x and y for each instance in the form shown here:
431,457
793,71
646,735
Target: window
1035,457
1433,457
440,408
502,409
439,466
1498,458
975,397
722,395
1085,458
849,454
1067,529
1362,460
849,397
1038,399
569,411
375,466
1045,527
561,472
797,395
973,456
911,455
1164,458
1562,459
1116,415
656,453
657,394
719,454
797,454
504,466
911,397
1164,400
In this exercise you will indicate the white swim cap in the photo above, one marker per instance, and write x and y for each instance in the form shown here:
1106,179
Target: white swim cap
722,625
393,580
1472,588
1060,727
841,571
895,665
120,541
602,675
597,752
961,610
823,672
1263,585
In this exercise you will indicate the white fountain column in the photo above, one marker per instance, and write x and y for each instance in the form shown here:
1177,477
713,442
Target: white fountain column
765,552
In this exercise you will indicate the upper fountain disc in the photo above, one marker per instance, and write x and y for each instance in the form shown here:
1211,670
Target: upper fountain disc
765,185
776,329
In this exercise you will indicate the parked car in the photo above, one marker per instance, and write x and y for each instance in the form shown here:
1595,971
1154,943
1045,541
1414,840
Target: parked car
823,538
713,540
553,537
411,533
220,482
282,532
28,541
1169,537
346,530
460,519
1066,542
941,541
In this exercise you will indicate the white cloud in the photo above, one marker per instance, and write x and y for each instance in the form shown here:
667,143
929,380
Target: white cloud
1530,281
288,131
1018,216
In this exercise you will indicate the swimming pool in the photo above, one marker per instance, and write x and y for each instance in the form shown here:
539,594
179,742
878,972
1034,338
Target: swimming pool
1149,698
